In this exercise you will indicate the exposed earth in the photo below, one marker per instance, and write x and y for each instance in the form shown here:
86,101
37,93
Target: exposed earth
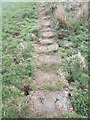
42,101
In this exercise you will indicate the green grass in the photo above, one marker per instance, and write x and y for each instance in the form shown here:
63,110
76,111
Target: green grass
73,115
48,86
17,108
53,52
77,76
45,67
58,86
18,25
76,73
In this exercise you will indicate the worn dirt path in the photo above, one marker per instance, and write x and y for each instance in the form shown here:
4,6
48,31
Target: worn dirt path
50,97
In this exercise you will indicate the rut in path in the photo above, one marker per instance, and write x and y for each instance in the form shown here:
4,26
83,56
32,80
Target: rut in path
52,101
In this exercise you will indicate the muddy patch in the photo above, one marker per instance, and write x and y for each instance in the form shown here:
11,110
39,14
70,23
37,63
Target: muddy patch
42,102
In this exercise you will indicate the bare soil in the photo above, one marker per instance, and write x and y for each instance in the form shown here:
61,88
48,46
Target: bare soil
43,102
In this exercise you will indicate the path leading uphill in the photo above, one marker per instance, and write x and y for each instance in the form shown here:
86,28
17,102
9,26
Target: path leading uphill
51,95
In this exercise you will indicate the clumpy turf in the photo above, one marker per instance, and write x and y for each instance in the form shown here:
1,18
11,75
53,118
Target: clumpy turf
74,53
18,25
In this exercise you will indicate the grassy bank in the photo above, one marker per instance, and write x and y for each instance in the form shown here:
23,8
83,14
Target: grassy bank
73,44
18,29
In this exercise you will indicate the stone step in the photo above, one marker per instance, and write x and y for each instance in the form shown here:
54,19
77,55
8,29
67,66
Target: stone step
41,9
42,5
42,77
49,34
45,48
46,23
48,59
44,12
46,29
46,41
49,103
46,17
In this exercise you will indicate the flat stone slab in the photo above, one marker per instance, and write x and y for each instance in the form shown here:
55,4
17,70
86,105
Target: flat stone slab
46,41
49,34
42,5
48,59
42,77
46,23
44,12
41,9
51,102
46,17
46,29
45,48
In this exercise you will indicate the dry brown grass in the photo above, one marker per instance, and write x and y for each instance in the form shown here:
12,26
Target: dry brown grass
60,15
82,11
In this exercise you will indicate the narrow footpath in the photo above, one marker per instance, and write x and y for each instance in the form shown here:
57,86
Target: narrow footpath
50,97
